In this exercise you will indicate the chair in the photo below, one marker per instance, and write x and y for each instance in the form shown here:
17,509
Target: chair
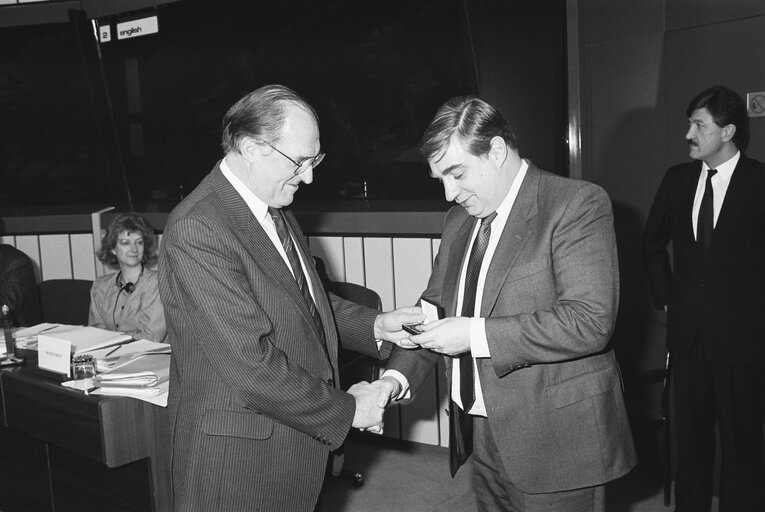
65,301
353,367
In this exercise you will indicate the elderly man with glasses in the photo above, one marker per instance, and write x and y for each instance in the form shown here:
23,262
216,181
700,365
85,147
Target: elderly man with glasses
255,407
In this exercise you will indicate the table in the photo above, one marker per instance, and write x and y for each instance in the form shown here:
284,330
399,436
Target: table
63,450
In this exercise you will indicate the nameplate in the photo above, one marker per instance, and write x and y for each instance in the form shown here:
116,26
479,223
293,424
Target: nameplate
54,354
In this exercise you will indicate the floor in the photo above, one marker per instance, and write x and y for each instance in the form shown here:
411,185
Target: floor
411,477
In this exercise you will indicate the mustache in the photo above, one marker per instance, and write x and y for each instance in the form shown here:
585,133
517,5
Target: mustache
691,142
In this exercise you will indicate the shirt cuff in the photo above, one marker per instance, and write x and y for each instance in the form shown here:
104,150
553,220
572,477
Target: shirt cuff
404,393
479,345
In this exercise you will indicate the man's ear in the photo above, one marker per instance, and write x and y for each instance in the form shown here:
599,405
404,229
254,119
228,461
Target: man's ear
498,151
251,149
728,131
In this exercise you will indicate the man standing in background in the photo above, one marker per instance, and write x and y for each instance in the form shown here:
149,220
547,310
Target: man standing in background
713,212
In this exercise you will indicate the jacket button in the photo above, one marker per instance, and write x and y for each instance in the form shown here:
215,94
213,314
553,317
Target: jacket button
330,382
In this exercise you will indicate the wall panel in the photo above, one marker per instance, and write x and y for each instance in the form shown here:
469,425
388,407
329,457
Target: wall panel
330,250
412,263
83,257
30,245
354,260
55,257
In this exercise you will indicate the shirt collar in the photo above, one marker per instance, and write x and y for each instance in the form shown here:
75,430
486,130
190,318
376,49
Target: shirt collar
503,211
259,208
725,169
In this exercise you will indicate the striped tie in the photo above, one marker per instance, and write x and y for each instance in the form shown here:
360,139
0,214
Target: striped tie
292,256
481,242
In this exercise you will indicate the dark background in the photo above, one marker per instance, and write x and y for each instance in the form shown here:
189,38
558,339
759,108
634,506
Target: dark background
136,123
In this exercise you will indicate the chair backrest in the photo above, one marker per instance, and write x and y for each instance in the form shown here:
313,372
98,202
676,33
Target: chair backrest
65,301
356,293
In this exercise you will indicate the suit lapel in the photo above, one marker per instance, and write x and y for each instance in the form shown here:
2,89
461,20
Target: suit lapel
456,263
516,232
690,195
322,304
258,244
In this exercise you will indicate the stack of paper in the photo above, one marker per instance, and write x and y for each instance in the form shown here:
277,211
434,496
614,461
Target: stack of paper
145,376
85,339
26,337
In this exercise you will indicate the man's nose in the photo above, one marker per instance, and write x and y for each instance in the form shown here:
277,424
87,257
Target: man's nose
307,176
451,190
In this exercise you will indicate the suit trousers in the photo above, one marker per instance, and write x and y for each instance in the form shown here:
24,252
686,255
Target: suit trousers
496,493
731,396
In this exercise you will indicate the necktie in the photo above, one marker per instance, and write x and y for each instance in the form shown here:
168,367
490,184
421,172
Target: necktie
292,256
481,242
705,224
461,423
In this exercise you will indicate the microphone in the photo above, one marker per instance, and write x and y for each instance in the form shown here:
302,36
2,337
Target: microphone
124,287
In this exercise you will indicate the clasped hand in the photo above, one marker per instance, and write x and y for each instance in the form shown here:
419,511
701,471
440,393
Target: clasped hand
371,400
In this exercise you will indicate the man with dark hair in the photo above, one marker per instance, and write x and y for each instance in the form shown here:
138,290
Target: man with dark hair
713,212
528,278
18,286
254,405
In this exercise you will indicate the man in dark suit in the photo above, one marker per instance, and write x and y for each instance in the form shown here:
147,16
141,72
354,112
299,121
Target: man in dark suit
18,286
713,212
528,279
254,404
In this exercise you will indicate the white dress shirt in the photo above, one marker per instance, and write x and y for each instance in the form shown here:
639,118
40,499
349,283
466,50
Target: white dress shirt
720,182
479,345
260,211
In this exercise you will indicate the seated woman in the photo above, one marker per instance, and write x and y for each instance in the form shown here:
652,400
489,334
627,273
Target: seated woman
128,300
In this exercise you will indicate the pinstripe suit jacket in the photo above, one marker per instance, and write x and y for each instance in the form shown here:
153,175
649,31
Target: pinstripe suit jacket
253,406
552,387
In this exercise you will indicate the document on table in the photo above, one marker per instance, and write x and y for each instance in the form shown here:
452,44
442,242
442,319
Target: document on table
142,374
111,358
26,337
85,339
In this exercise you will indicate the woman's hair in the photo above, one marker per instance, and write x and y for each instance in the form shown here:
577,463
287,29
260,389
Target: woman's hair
132,223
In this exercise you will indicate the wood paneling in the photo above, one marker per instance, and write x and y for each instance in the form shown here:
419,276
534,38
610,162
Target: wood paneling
83,257
30,245
55,257
330,250
354,260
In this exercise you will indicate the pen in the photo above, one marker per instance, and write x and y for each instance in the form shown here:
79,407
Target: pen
48,329
112,351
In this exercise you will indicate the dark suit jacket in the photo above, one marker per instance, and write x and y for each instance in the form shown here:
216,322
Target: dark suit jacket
552,386
254,405
718,300
18,286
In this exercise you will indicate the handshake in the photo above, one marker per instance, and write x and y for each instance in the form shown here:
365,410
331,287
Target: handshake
371,400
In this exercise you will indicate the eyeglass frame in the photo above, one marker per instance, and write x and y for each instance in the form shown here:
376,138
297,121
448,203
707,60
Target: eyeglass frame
315,160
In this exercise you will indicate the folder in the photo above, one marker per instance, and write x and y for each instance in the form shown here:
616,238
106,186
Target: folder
85,339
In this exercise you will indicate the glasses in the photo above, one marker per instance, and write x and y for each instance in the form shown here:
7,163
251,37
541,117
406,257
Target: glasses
303,165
